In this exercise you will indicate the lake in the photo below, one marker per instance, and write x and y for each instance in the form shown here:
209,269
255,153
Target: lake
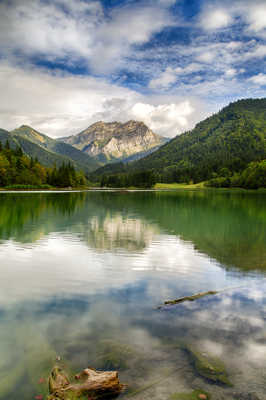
82,275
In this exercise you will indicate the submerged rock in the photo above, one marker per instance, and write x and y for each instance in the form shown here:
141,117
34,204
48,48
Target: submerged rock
211,368
195,395
90,384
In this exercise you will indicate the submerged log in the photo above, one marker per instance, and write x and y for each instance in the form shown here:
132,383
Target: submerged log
197,296
91,384
189,298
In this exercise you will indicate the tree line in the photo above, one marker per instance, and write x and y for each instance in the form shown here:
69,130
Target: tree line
252,177
17,169
142,179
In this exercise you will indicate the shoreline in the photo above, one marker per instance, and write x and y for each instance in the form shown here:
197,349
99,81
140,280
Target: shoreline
160,189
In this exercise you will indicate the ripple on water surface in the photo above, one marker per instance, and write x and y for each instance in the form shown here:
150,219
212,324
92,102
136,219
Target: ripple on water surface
82,275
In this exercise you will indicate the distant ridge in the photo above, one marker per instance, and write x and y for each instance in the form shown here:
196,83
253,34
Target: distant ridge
49,151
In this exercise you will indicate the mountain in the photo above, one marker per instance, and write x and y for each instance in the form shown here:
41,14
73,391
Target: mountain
115,141
230,139
45,157
49,151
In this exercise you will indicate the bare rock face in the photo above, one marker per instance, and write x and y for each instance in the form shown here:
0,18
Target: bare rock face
114,140
90,384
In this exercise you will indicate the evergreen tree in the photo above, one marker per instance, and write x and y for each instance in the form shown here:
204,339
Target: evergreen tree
17,168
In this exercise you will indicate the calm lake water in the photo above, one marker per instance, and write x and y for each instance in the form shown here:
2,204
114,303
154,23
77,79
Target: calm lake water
82,274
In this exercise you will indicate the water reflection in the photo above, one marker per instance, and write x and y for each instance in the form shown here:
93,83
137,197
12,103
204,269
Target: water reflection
227,227
81,275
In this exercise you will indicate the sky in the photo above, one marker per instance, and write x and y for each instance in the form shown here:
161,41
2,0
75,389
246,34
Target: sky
65,64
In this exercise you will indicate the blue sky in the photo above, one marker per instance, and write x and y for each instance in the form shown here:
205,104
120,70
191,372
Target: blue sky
65,64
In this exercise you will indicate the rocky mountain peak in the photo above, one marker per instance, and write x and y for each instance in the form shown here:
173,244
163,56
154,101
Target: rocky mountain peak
115,140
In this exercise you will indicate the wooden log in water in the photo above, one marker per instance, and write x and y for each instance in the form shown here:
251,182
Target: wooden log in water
90,384
196,296
189,298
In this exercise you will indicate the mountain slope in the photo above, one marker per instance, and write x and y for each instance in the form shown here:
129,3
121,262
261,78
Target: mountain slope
229,139
57,148
115,141
46,157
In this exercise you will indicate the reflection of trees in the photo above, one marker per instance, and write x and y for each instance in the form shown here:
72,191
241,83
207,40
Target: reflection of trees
26,217
228,227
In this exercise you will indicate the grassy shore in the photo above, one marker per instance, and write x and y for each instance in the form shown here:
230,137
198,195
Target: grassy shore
160,186
201,185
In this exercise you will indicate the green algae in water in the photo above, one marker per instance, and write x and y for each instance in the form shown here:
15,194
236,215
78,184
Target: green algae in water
11,379
112,361
113,355
32,366
195,395
209,367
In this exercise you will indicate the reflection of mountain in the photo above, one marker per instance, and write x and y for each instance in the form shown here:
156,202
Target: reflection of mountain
33,216
228,227
119,232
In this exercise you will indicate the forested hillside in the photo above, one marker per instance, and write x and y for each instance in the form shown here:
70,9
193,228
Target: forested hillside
19,170
221,145
58,148
48,151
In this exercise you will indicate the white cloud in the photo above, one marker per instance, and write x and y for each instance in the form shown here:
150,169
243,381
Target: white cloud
168,77
259,79
234,45
164,80
251,13
257,51
206,57
46,29
256,16
60,105
79,31
212,19
189,69
126,28
57,104
230,73
168,119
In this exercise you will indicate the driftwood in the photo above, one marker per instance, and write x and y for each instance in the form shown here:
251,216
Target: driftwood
189,298
90,384
196,296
